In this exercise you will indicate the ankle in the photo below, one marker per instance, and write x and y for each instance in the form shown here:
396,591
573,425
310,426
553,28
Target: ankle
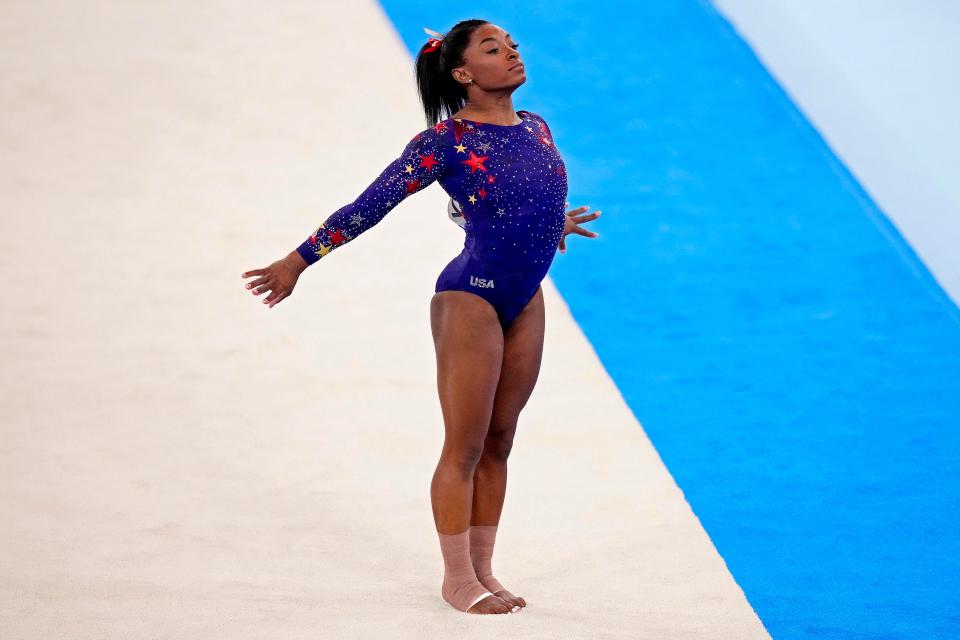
482,539
461,588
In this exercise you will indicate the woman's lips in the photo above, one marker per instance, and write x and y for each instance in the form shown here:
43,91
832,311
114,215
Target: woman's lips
519,65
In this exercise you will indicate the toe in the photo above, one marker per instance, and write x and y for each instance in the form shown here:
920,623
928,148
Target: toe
513,600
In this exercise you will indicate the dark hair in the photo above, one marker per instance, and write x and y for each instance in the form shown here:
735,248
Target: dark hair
440,94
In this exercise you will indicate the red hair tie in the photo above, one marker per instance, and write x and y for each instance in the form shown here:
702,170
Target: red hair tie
433,43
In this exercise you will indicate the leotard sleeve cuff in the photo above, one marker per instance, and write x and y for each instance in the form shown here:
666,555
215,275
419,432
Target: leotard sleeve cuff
306,252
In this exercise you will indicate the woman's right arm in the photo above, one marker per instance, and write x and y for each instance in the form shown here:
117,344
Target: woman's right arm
422,162
419,165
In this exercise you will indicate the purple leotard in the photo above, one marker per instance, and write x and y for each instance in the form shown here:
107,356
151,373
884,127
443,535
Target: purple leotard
510,183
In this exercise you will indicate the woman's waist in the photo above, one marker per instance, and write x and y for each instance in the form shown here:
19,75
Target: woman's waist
514,248
493,261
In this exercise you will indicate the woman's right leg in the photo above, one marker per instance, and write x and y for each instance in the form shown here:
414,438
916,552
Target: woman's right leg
469,345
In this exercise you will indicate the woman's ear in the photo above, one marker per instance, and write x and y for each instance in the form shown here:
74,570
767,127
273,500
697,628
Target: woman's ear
460,75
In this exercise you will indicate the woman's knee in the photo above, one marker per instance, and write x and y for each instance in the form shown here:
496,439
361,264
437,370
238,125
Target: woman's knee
462,457
499,442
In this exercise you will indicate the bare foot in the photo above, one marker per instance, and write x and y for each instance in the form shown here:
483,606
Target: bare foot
491,604
511,599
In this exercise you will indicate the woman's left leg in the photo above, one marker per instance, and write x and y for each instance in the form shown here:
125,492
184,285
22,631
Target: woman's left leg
522,354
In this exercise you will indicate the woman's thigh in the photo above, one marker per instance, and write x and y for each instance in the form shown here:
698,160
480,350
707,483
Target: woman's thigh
522,355
469,344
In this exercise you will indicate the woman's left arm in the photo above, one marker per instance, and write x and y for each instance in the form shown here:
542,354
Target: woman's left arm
572,224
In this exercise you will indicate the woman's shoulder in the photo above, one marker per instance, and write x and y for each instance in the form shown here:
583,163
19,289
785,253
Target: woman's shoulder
426,146
432,134
431,145
539,120
531,114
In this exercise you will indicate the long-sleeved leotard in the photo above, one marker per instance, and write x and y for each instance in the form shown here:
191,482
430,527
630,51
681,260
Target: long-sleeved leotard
510,183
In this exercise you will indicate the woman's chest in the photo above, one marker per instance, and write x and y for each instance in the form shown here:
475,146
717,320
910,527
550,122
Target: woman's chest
497,164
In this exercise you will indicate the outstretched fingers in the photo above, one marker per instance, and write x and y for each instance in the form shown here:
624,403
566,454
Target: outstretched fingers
576,217
586,232
256,283
586,218
275,297
279,278
266,282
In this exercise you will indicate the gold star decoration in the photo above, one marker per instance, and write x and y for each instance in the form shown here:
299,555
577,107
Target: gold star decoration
323,250
460,148
409,169
472,200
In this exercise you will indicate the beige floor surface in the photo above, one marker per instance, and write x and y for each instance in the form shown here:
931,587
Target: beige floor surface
179,461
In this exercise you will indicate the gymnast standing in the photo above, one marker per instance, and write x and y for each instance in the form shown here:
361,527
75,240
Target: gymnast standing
508,185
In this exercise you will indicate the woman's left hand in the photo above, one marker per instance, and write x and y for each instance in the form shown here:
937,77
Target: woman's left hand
572,224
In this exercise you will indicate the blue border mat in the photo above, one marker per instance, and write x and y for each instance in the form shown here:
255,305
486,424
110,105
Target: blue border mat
790,357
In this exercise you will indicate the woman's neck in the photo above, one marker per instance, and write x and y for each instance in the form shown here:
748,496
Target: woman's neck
499,112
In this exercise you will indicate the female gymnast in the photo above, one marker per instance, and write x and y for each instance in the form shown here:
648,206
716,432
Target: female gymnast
508,184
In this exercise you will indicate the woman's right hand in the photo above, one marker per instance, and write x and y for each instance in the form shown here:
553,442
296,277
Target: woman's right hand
279,278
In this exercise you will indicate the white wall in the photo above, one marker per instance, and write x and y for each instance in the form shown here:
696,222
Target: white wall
879,80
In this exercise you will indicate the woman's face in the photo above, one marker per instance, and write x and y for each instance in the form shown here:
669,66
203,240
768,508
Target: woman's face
491,60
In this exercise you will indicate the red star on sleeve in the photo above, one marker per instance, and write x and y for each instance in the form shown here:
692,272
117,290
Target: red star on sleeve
413,185
428,161
337,237
475,162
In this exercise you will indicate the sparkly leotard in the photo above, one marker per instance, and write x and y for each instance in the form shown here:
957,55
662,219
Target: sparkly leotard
510,183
